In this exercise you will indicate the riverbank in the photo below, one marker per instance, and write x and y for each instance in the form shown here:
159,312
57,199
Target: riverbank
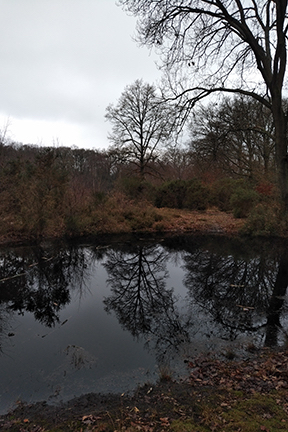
139,219
220,395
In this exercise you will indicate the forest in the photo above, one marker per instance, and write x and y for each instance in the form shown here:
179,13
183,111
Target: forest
226,163
212,134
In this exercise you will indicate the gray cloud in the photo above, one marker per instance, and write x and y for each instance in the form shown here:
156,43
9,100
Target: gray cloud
62,63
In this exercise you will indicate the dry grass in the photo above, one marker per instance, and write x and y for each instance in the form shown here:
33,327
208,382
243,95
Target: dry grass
121,215
146,218
209,221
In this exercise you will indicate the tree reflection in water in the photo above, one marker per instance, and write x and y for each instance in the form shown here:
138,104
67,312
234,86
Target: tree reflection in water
140,299
275,307
230,293
38,281
232,288
240,293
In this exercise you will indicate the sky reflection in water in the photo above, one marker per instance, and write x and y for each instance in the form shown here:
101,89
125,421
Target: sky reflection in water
98,318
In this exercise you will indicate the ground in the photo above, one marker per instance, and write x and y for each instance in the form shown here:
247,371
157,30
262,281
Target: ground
211,221
220,395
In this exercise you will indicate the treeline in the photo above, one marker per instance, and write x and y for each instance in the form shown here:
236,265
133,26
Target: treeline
227,162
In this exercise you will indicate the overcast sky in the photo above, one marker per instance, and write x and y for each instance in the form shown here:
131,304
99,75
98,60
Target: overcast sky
61,63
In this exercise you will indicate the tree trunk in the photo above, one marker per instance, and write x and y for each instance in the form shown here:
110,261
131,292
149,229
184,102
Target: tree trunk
280,122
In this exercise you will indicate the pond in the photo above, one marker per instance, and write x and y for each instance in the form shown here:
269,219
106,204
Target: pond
108,315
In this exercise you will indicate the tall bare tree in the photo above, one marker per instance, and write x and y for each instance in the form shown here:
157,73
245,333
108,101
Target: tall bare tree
141,123
210,46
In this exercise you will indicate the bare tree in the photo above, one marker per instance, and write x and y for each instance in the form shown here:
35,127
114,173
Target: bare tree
235,136
141,123
215,46
176,162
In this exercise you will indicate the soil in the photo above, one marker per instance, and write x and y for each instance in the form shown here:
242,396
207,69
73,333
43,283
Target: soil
219,395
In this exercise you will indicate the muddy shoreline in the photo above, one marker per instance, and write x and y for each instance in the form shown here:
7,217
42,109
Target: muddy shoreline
215,391
90,409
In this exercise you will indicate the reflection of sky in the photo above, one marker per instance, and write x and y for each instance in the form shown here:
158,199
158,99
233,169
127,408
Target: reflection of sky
176,276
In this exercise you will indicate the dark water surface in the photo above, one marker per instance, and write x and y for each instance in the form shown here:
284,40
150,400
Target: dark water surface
108,315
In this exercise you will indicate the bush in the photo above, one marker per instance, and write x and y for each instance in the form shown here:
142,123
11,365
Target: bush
135,188
197,195
265,189
171,194
179,194
242,202
99,198
143,219
264,221
222,191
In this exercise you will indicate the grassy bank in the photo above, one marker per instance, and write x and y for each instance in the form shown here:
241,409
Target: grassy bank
120,215
245,395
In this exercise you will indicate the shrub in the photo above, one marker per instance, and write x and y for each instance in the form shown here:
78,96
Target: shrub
264,220
197,195
171,194
72,225
191,194
222,191
142,221
99,198
242,201
135,188
141,218
265,189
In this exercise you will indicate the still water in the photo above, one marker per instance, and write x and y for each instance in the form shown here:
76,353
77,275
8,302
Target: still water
111,314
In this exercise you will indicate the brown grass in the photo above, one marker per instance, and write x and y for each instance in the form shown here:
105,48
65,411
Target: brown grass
209,221
117,215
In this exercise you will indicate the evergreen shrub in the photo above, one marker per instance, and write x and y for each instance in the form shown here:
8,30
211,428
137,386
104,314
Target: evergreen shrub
265,220
197,195
171,194
136,188
222,191
191,194
242,201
